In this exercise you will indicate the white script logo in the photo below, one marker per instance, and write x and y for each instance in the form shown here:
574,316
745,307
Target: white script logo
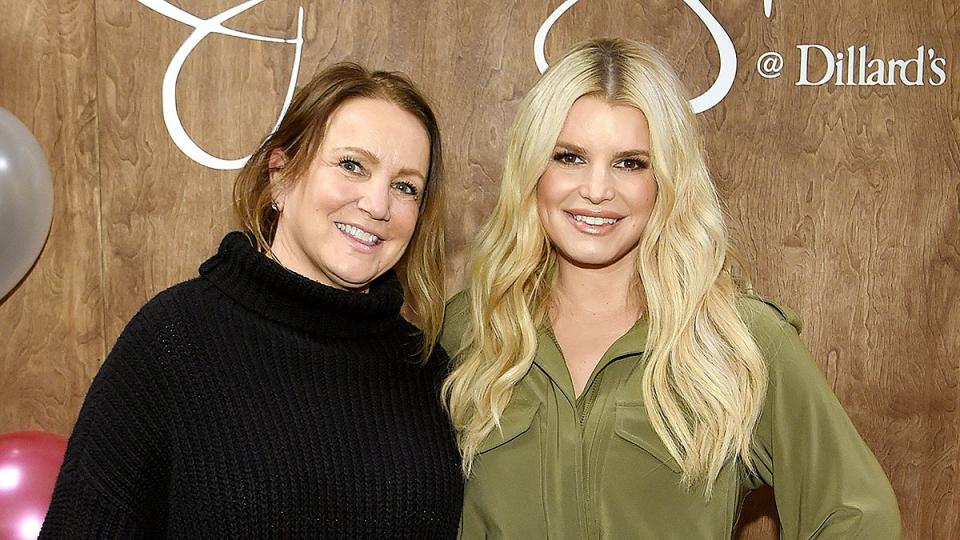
202,28
728,54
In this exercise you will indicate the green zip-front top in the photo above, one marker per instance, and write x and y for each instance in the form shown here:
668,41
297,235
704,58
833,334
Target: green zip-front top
593,467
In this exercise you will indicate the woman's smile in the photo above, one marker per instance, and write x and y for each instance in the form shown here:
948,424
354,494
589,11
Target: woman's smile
361,239
596,224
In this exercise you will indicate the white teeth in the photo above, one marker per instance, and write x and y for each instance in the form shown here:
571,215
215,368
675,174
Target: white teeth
591,220
359,234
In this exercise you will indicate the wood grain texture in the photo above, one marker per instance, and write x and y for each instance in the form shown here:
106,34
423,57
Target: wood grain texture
844,200
856,193
51,324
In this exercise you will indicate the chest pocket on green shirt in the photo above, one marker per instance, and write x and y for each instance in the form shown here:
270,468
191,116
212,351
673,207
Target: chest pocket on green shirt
640,481
646,481
514,422
502,494
633,425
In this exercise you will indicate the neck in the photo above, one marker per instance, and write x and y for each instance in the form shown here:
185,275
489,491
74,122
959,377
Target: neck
612,289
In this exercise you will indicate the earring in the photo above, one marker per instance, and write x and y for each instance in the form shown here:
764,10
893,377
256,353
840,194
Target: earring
275,206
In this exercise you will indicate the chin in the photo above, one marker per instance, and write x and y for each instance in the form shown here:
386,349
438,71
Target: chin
589,259
356,281
351,276
593,258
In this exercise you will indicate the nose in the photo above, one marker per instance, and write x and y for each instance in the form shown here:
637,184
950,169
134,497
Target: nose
597,187
375,198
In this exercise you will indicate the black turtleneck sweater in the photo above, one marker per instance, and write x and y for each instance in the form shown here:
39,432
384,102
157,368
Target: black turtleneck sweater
252,402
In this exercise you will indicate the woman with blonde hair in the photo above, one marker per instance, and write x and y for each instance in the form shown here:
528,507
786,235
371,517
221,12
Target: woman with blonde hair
610,377
281,394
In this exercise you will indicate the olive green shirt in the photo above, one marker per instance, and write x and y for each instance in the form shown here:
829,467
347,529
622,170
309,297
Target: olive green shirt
566,467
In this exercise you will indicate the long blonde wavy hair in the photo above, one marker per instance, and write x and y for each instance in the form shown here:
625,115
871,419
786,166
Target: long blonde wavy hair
704,380
299,136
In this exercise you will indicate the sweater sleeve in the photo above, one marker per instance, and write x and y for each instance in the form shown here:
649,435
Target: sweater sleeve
112,478
826,482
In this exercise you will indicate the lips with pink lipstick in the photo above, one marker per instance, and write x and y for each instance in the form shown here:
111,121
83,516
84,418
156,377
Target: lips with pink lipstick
592,222
363,239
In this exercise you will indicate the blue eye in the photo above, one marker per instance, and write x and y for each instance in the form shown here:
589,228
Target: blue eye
406,188
351,165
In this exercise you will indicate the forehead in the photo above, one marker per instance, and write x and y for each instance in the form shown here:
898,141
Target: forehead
381,127
595,122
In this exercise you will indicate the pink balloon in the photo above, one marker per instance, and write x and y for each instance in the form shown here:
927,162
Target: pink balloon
29,463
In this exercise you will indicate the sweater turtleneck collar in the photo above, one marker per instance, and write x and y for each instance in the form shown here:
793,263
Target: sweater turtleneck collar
261,284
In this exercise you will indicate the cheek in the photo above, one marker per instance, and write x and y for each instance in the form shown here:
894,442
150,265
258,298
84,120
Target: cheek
330,192
547,216
404,220
542,208
549,194
643,196
651,192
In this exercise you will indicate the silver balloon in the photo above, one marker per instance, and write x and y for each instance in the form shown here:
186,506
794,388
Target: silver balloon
26,201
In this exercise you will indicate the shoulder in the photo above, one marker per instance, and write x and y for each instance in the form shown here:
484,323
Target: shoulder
760,313
776,330
792,370
179,305
138,367
175,300
769,321
455,317
156,347
165,320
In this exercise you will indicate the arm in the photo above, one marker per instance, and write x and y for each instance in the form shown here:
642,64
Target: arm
112,478
826,481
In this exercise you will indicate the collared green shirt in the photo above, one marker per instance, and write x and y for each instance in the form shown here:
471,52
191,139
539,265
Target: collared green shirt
566,467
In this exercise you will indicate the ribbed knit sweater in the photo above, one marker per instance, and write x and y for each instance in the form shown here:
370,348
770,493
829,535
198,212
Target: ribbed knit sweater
252,402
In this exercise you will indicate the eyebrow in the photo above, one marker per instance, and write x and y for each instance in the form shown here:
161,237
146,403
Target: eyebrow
626,153
373,158
632,153
571,147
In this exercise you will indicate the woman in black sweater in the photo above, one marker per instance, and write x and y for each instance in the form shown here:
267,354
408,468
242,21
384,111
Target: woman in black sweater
281,393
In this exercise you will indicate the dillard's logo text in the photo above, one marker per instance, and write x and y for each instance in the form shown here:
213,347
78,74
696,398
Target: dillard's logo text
854,67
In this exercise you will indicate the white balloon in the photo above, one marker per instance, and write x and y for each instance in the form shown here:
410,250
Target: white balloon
26,201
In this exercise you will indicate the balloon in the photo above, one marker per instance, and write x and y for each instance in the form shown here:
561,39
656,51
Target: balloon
26,201
29,464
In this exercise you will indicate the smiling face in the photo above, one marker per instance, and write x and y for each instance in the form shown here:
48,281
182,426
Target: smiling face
598,191
351,216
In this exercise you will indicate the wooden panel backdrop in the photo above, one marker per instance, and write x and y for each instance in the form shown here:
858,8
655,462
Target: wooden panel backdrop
845,199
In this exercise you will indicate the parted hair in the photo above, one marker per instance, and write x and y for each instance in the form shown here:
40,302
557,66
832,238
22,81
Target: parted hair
704,378
299,136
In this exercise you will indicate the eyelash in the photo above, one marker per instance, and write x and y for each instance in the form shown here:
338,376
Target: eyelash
358,171
404,187
407,188
641,164
563,157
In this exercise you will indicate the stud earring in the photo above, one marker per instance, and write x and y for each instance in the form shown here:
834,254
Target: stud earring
275,206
